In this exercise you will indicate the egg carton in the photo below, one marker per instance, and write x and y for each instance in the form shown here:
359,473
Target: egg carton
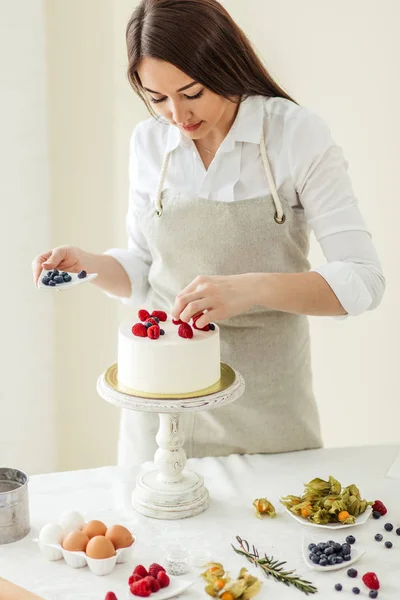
77,560
52,550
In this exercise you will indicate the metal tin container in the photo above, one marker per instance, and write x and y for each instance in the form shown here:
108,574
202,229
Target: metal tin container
14,505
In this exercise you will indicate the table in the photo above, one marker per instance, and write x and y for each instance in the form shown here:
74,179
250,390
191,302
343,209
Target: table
234,482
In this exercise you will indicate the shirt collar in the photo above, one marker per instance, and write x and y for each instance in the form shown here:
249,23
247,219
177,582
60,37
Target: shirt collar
246,127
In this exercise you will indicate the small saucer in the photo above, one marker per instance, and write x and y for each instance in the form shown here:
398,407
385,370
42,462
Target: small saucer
75,280
356,553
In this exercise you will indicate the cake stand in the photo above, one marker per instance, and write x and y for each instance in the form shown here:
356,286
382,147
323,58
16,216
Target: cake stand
170,491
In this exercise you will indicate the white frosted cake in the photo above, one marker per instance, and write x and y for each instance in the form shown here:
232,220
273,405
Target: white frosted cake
179,359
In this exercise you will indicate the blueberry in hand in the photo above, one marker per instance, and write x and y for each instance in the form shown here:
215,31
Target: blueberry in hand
82,275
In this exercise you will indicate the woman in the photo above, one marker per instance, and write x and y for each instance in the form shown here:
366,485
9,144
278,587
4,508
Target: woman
225,185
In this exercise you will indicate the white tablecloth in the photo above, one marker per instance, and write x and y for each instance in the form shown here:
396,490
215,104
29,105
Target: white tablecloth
233,482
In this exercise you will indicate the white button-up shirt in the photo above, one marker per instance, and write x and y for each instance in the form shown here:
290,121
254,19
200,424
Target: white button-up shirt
308,168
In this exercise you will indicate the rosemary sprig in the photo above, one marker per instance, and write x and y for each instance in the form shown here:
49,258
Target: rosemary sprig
273,568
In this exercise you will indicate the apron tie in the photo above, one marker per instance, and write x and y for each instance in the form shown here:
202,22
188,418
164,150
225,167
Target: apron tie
159,206
279,214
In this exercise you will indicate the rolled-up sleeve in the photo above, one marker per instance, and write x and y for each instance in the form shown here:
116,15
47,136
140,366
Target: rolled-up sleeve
136,258
320,176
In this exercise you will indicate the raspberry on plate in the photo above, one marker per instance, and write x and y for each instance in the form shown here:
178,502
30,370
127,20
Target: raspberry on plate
154,569
134,578
140,570
141,588
371,581
163,579
153,583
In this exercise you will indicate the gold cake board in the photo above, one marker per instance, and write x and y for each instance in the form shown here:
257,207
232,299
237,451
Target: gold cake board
225,381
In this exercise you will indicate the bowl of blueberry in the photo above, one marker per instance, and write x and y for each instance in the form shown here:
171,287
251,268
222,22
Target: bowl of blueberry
323,554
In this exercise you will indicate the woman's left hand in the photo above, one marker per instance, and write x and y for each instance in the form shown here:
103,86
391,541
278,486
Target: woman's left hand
221,296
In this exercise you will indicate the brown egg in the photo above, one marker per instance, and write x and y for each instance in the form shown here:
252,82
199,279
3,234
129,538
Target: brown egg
93,528
100,547
120,536
75,541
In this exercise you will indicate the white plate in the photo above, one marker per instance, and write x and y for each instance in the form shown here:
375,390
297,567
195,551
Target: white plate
356,553
66,285
176,586
360,520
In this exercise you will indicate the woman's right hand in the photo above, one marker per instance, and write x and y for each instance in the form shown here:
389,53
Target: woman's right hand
64,258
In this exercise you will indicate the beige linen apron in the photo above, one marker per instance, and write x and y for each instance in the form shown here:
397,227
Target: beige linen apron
189,236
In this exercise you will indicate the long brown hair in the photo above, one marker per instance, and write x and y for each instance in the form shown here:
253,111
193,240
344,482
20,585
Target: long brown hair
200,38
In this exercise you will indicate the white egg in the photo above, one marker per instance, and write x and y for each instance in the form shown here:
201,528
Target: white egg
51,533
71,520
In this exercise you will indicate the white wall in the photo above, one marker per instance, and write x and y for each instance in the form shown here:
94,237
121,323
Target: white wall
27,383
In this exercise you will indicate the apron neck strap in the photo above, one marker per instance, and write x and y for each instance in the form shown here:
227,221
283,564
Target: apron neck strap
279,215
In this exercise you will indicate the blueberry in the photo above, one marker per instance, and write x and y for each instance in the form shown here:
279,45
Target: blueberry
212,326
373,594
314,558
162,332
321,546
49,273
376,514
323,562
56,272
331,542
59,279
350,539
332,560
338,587
156,319
379,537
356,590
63,273
45,280
398,531
52,283
311,546
346,557
67,278
352,573
339,560
337,547
388,544
147,324
329,551
82,275
388,527
346,548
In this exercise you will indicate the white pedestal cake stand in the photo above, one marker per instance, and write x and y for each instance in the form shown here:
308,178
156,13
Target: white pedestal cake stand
170,491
